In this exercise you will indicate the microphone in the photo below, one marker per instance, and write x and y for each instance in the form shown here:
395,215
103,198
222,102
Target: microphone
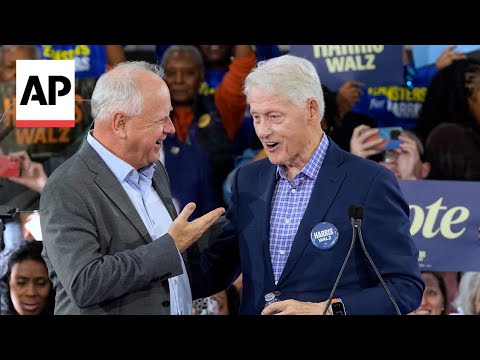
353,212
356,215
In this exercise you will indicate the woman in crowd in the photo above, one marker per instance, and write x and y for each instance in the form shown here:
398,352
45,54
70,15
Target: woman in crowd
435,297
468,298
25,288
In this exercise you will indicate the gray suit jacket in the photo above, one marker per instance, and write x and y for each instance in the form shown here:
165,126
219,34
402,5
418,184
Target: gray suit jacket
99,254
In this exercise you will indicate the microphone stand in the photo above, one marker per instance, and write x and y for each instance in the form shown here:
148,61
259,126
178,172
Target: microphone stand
356,215
385,287
355,224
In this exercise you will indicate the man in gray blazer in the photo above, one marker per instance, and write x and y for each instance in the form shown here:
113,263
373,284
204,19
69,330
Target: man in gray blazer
112,240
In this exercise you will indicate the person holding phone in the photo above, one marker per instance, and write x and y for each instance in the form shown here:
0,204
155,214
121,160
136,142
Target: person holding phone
30,173
9,167
23,192
405,155
408,160
366,142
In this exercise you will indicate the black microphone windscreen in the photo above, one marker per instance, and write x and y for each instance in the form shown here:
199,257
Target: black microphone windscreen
360,212
355,211
352,211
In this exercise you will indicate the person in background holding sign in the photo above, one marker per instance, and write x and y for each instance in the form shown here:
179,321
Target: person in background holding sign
112,238
339,122
400,105
288,228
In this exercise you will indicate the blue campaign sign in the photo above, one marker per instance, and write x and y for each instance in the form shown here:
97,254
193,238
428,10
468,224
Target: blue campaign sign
445,223
372,65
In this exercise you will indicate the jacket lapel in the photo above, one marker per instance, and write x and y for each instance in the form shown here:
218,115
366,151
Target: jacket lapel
112,188
161,185
262,207
329,181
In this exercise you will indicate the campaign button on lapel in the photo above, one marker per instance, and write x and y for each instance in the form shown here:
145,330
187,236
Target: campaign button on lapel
324,235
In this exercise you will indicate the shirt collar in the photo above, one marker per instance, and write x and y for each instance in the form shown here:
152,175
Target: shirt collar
120,168
148,171
312,167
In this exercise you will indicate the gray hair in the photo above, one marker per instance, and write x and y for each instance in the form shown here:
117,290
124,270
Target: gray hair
32,50
467,289
117,90
193,50
292,77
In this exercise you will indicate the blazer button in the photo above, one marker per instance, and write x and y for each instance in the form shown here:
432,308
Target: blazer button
166,303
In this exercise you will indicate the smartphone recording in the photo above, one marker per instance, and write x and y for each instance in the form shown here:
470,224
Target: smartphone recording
390,136
9,167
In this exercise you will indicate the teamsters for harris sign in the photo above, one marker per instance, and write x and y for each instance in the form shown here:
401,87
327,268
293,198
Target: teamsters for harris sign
372,65
445,223
45,93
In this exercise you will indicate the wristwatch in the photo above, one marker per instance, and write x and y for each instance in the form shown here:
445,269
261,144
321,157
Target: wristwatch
337,307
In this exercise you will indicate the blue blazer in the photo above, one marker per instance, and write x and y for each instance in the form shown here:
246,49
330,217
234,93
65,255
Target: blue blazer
310,273
191,179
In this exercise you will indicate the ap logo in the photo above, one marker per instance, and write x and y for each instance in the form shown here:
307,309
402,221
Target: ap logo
45,93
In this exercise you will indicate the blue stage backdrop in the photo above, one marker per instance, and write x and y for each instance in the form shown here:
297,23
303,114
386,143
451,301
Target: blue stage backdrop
372,65
445,223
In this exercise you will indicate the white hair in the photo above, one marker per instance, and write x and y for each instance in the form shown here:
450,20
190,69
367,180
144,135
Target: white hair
117,90
467,289
292,77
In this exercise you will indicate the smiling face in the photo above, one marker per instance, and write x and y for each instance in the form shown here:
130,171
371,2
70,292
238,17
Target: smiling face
433,301
143,133
29,287
290,134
